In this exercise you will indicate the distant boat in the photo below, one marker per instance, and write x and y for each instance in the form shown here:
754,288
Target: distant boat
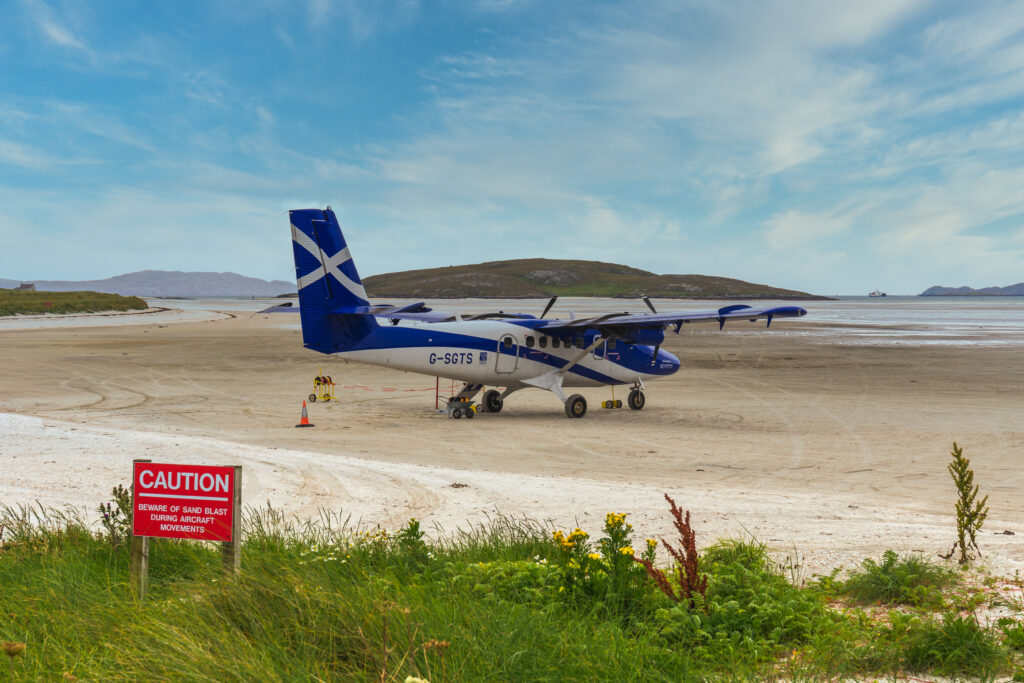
877,292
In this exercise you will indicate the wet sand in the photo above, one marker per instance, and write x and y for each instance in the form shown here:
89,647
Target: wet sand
835,450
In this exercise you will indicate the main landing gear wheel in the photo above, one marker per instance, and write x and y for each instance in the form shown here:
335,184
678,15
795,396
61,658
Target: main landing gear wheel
636,400
576,406
493,402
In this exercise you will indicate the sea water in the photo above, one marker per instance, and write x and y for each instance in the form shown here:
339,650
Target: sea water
946,320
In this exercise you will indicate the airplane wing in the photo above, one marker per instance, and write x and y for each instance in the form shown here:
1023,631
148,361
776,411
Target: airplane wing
620,324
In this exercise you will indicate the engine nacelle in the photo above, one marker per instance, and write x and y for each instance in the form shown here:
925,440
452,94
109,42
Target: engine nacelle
652,336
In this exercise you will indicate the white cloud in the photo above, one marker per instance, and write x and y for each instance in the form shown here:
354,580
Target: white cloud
53,28
23,156
797,229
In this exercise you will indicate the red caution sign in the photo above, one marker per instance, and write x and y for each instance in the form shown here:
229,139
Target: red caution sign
183,501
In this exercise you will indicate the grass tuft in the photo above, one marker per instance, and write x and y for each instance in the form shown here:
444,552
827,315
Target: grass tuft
34,303
896,580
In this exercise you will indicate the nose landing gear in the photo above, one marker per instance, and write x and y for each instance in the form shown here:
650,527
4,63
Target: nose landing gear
636,399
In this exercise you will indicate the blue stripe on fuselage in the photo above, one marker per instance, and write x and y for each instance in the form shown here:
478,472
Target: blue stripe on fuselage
631,357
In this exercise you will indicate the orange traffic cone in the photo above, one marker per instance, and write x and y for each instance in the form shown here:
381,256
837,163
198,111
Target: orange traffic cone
304,422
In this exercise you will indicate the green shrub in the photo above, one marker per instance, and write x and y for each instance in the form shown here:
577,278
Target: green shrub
1013,633
907,580
751,613
970,512
955,646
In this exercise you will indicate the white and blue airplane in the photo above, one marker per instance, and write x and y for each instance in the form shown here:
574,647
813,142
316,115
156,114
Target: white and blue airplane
515,351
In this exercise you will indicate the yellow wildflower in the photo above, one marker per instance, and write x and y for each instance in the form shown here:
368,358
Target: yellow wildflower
651,543
614,519
626,550
594,556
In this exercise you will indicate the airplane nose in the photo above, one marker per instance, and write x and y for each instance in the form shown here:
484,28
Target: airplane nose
667,363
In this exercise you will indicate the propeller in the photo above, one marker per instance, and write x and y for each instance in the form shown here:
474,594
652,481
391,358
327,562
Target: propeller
647,300
551,302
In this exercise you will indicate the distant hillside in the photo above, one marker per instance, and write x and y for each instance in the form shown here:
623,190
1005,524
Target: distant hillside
161,283
544,277
1012,290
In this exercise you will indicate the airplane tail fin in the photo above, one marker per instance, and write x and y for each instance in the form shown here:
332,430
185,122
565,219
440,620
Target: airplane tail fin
333,305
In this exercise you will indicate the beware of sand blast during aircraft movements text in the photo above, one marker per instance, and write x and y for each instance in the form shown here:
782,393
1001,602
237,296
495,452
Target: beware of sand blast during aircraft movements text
183,501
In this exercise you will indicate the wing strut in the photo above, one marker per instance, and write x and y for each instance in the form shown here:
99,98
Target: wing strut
552,381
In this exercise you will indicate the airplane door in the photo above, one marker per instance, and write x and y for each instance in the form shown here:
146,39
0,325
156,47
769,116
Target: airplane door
507,357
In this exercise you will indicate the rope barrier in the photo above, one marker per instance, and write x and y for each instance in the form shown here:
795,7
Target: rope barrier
365,388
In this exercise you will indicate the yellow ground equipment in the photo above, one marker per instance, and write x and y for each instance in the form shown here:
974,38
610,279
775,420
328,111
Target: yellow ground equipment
323,389
612,403
462,407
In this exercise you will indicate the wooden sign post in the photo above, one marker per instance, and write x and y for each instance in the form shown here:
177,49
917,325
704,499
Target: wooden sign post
232,550
138,567
197,502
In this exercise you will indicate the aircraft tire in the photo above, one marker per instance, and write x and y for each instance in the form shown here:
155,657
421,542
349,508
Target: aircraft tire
576,406
636,400
493,402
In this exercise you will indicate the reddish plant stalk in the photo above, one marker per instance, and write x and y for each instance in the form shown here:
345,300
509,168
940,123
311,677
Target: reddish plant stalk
687,563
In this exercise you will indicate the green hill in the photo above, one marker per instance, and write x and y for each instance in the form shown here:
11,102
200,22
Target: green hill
525,278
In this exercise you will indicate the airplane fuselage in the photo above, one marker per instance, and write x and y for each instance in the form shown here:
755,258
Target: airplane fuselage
506,353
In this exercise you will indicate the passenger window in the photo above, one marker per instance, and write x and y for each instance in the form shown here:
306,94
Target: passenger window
507,342
555,342
579,343
543,342
529,342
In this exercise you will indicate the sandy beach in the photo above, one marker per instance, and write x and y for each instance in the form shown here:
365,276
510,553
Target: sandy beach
829,450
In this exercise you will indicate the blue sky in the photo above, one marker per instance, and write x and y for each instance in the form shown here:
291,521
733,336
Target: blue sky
835,147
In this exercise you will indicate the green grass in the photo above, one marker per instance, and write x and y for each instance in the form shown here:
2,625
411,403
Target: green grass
34,303
503,601
907,580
